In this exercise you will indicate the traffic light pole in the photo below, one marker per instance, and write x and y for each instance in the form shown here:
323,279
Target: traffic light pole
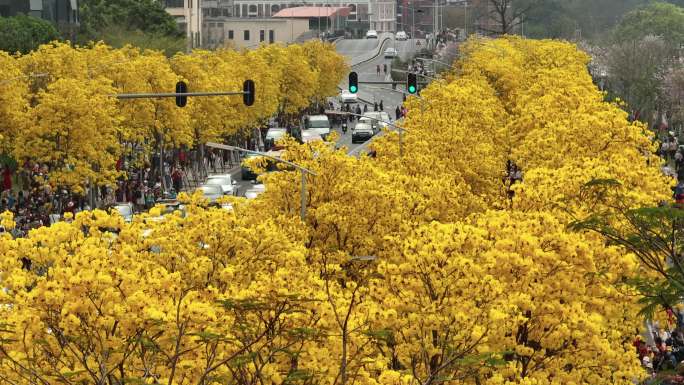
173,95
248,95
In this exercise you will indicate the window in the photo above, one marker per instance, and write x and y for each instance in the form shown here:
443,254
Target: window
262,36
352,12
275,8
271,36
230,34
246,35
252,10
174,3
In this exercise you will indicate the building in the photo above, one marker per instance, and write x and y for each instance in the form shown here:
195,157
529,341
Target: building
362,13
197,17
63,13
188,15
321,19
250,33
383,15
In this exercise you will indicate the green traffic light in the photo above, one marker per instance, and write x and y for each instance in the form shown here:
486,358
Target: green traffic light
352,89
412,89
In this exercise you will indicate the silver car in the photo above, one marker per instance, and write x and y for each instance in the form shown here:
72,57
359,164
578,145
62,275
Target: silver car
211,192
226,183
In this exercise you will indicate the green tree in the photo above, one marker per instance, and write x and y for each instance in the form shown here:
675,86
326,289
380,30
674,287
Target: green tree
119,37
24,33
636,70
659,19
99,18
655,235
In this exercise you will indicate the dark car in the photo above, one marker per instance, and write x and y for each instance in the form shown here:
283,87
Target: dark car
246,172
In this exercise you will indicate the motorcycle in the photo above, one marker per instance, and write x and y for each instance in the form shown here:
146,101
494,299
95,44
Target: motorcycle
344,128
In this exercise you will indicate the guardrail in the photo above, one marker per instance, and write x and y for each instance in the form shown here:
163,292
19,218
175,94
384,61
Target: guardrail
373,54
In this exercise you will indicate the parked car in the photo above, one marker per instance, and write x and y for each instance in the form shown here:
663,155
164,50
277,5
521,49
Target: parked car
171,205
401,35
362,132
391,52
318,123
310,137
372,34
272,136
211,192
125,209
227,184
348,97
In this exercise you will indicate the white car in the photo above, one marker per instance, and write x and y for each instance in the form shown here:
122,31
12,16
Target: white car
348,97
311,136
401,35
391,52
211,192
255,191
372,34
224,181
318,123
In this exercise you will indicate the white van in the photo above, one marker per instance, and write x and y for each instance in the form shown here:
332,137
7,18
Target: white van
319,124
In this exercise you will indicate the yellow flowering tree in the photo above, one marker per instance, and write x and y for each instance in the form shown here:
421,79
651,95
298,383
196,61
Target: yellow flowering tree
13,100
74,128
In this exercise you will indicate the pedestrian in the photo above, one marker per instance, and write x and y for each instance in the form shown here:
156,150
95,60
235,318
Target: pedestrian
378,69
6,179
381,107
384,68
375,106
397,112
358,110
177,177
365,108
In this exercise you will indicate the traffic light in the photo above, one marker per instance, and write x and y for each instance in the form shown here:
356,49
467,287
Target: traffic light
411,84
248,95
353,82
181,88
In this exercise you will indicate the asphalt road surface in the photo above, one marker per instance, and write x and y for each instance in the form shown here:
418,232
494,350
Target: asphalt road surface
367,71
354,50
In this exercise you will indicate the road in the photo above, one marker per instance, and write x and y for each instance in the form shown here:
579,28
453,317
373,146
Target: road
367,71
356,50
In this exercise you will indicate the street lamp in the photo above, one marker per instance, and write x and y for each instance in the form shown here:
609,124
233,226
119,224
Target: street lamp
303,170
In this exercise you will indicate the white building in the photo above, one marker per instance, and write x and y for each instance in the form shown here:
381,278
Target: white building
250,33
188,15
362,13
362,16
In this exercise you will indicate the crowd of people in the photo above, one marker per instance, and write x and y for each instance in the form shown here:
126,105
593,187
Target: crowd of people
28,194
666,349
